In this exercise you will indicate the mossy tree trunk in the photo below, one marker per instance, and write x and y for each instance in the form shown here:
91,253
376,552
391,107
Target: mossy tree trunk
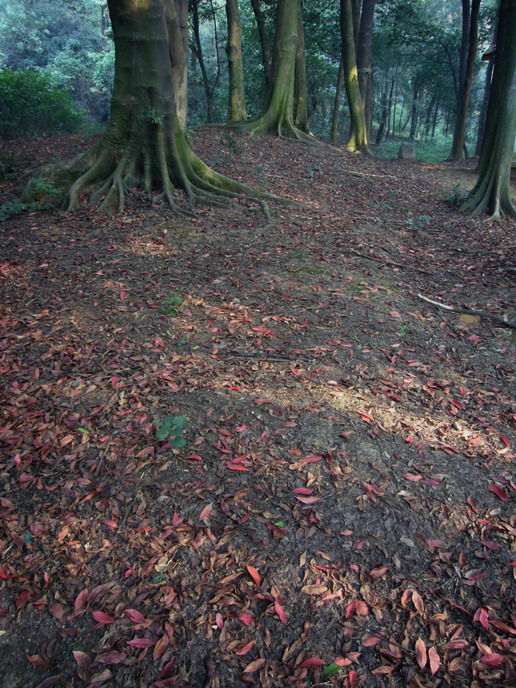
336,105
144,146
358,139
177,20
491,193
278,117
236,105
365,58
264,43
300,85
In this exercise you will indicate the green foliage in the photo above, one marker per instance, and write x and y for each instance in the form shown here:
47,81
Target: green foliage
171,306
13,208
456,197
29,107
171,428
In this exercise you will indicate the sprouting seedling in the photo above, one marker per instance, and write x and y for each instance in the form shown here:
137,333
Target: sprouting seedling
171,428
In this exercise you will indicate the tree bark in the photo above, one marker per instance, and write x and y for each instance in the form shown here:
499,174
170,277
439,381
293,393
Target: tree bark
483,109
358,139
491,193
469,47
236,104
197,49
178,45
300,85
385,106
144,146
415,113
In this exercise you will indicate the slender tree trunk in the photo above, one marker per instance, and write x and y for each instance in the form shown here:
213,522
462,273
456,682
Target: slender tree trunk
467,64
483,109
200,58
356,10
365,57
358,140
144,146
394,110
236,104
428,116
434,121
491,193
389,107
384,106
264,43
336,105
415,113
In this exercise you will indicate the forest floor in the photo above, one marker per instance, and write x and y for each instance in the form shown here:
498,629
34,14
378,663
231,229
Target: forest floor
238,454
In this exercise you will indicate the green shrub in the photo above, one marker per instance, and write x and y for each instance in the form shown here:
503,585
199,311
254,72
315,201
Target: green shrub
29,107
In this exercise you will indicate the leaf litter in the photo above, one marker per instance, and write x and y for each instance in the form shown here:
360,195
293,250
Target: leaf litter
238,454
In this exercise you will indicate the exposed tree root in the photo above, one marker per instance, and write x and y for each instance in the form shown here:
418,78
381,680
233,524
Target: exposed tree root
166,166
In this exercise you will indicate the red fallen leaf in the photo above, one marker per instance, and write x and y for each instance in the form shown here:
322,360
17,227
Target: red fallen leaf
135,616
245,648
365,416
504,627
378,572
311,661
141,642
384,669
80,600
342,661
82,659
499,492
123,294
219,621
111,524
311,458
308,500
303,490
482,617
236,467
262,401
280,612
421,654
471,502
100,678
505,441
434,661
112,657
371,640
51,681
246,619
489,544
130,571
457,644
57,611
362,608
161,646
254,574
205,512
412,477
39,661
254,666
194,457
418,601
492,659
103,618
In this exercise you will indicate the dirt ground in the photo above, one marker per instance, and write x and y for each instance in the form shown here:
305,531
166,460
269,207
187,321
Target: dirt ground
235,453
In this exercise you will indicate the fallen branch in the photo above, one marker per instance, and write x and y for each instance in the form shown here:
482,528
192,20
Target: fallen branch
387,262
366,174
469,311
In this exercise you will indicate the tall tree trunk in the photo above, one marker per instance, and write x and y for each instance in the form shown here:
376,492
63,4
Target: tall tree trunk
300,85
491,193
264,43
483,109
365,57
236,104
336,105
144,145
384,114
358,139
428,117
434,121
197,49
278,117
178,46
356,10
466,74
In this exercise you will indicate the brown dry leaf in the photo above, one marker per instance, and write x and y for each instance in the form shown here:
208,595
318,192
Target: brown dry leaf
421,654
434,660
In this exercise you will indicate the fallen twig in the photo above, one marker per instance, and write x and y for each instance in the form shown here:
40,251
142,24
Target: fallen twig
387,262
468,311
366,174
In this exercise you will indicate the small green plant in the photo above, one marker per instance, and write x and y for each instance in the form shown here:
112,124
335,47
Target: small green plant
171,306
418,221
13,208
403,330
456,196
171,428
155,117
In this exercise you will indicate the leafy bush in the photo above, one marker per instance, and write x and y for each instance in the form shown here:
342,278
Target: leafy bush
29,107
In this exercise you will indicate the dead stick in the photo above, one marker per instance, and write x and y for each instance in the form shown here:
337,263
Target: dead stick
468,311
387,262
